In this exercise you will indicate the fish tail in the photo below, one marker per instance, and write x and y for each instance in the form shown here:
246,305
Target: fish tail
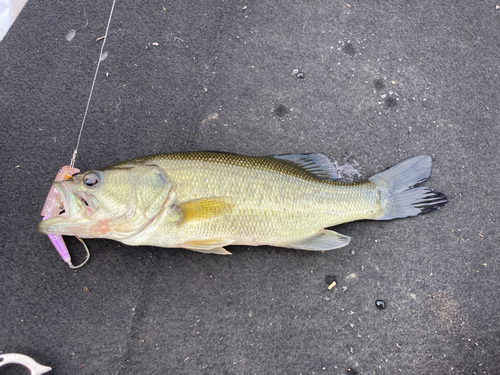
399,198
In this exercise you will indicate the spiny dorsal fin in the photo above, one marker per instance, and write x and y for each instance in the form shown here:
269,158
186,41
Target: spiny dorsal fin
316,164
204,208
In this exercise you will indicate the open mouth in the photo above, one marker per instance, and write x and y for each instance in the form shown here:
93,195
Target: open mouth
73,208
70,199
67,195
64,206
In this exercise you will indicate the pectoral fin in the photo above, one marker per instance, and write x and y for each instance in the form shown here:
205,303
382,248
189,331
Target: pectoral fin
204,208
323,240
214,246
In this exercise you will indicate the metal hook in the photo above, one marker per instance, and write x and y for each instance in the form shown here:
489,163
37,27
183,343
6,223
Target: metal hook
87,258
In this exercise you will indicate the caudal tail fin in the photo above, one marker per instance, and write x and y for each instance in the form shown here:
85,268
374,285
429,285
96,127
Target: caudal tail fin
398,196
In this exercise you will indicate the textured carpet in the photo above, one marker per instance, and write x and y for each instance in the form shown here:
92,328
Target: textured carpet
367,84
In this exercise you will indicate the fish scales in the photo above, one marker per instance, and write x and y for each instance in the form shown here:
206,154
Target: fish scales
274,202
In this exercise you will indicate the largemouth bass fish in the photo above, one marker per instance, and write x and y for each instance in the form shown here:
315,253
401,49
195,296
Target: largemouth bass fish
204,201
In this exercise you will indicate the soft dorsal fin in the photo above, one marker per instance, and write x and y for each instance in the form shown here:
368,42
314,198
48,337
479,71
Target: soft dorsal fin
316,164
204,208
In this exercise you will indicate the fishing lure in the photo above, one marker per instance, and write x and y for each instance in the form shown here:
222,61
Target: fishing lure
52,207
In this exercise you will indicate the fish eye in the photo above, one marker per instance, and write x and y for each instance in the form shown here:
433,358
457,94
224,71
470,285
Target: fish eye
91,179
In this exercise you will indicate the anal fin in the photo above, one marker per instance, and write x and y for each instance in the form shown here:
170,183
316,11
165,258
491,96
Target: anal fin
323,240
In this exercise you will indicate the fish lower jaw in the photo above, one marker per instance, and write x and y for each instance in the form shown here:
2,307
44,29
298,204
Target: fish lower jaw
60,225
44,226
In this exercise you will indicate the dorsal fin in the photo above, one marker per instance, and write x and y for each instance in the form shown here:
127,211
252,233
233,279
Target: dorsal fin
316,164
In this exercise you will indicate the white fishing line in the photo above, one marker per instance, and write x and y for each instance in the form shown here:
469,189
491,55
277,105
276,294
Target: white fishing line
72,163
93,84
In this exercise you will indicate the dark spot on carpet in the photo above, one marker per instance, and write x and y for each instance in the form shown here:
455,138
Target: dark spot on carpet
349,49
329,279
378,84
281,110
391,102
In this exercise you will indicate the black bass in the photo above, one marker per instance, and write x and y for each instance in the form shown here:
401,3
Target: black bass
204,201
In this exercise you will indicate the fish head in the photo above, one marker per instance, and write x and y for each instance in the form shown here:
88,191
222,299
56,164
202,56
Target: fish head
116,202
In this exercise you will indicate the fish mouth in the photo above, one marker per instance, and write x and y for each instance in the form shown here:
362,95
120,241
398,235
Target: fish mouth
64,204
73,200
73,207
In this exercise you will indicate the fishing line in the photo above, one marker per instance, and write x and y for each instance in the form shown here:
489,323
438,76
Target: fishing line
72,163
